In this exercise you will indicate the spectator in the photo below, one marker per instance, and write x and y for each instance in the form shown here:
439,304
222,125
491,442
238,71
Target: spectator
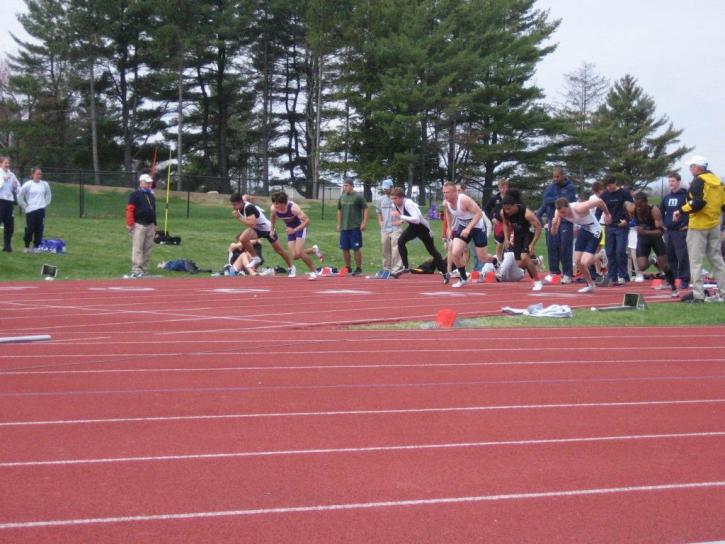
8,188
352,219
34,196
705,203
141,224
676,231
389,232
561,244
616,232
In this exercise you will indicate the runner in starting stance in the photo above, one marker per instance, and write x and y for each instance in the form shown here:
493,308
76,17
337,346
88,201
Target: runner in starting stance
590,232
258,226
465,223
296,223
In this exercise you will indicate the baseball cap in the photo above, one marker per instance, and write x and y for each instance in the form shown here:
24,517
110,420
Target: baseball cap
387,184
699,160
146,178
347,181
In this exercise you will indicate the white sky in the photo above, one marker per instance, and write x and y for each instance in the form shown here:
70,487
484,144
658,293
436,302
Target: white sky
675,49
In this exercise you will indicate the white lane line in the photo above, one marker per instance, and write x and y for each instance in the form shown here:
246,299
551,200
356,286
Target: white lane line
362,412
351,386
348,367
413,447
365,505
210,338
334,351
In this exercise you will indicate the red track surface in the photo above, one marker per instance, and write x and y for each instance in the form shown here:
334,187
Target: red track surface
238,410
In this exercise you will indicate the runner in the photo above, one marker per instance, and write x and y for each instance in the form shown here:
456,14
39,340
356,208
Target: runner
650,229
258,226
518,220
465,223
590,232
296,223
418,227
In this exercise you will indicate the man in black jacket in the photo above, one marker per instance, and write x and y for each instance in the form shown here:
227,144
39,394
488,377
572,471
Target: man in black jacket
676,231
617,231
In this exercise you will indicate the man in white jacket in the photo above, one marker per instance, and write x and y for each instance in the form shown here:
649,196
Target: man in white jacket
34,196
8,187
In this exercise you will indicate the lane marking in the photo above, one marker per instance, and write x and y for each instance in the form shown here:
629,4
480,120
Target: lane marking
16,288
365,505
343,292
317,451
347,367
309,387
236,290
363,412
119,288
335,350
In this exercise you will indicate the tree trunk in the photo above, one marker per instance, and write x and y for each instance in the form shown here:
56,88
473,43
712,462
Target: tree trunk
222,113
94,128
180,116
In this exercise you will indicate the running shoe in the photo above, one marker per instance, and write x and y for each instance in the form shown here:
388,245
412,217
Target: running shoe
292,272
312,276
565,279
675,293
548,278
538,286
446,278
356,272
638,279
318,252
460,283
267,272
587,289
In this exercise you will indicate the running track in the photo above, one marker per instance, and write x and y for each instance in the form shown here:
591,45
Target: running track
241,410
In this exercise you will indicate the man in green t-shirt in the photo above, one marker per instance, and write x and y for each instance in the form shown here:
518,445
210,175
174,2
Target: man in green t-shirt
352,219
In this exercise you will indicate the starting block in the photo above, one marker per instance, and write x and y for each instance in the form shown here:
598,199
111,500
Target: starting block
631,301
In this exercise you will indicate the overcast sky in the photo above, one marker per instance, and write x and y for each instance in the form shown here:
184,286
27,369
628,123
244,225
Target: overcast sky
675,49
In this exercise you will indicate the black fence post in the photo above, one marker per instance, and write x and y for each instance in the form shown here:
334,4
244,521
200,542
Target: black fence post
188,201
81,196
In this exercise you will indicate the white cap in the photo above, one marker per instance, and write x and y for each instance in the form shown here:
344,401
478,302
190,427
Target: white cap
698,160
146,178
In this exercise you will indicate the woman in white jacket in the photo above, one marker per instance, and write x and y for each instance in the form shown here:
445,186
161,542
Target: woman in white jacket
34,197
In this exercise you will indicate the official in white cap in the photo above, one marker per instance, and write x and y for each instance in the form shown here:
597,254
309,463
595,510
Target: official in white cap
705,204
141,224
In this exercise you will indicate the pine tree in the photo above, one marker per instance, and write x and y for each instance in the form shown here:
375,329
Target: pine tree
584,91
40,81
627,133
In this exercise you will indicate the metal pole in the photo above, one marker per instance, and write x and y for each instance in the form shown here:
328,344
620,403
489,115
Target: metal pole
323,201
188,200
81,196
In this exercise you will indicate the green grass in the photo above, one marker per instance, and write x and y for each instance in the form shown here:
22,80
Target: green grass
662,314
99,247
